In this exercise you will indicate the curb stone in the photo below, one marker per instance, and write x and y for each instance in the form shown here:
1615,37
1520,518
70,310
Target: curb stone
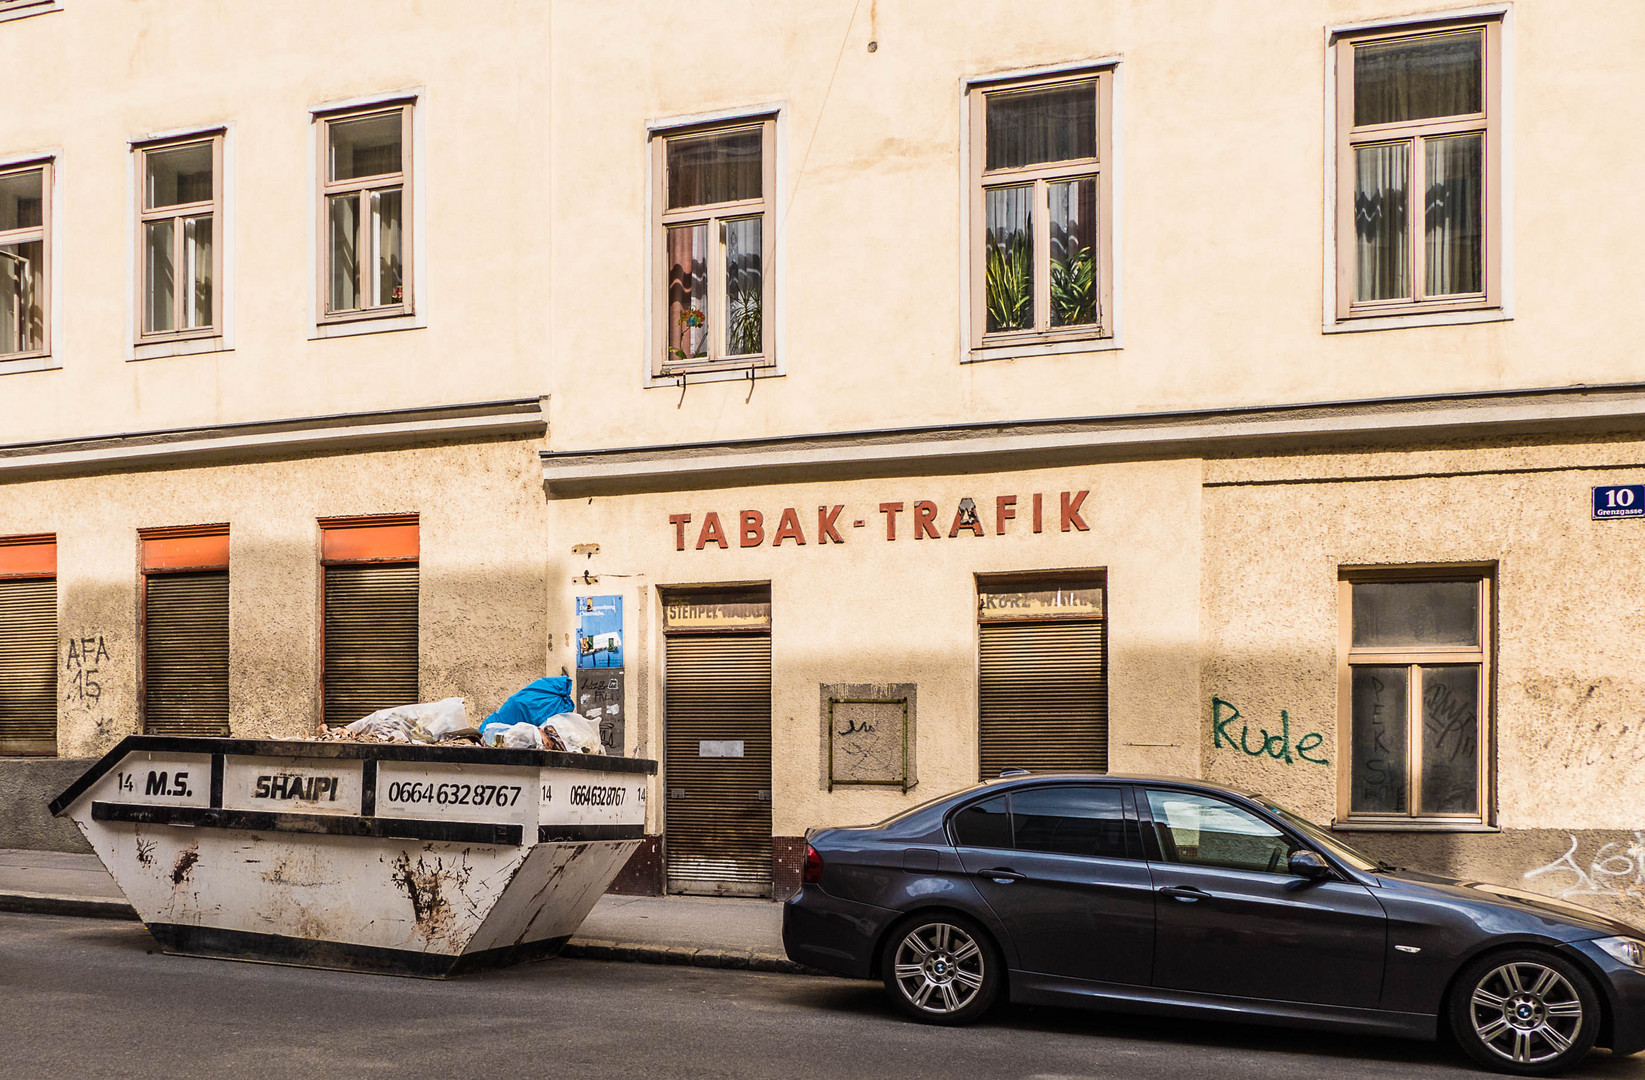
85,907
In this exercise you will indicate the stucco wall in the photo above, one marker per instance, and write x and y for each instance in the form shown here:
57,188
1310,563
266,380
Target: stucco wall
877,611
482,581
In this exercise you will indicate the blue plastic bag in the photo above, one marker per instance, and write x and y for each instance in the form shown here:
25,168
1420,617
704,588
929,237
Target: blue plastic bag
534,703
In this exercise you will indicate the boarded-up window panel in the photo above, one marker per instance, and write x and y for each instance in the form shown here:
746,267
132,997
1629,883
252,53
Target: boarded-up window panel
185,654
718,816
371,640
28,666
1043,697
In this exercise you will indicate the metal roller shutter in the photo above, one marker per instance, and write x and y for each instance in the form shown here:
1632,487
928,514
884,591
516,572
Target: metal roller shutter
371,640
185,653
1043,697
28,666
718,809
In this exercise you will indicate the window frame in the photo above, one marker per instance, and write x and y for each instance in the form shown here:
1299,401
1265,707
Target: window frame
35,233
212,206
325,188
1350,656
1043,337
662,365
1347,137
22,9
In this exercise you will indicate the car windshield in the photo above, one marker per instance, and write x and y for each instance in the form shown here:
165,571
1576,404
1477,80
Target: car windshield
1356,859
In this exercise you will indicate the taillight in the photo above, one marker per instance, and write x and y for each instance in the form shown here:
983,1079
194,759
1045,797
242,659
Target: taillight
813,866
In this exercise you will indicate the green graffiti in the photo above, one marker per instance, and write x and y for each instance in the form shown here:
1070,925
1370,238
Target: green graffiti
1277,746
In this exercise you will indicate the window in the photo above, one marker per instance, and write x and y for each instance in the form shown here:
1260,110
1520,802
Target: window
714,232
369,615
185,631
1041,269
1415,698
1196,830
179,244
1418,170
1063,820
28,645
25,248
365,213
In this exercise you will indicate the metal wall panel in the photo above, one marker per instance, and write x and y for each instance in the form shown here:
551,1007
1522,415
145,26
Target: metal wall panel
185,653
28,666
717,823
1043,697
371,640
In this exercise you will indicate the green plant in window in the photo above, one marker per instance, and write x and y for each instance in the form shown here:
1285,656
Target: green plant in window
1074,288
1009,279
743,320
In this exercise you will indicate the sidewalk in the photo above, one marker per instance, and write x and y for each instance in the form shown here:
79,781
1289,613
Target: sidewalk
700,931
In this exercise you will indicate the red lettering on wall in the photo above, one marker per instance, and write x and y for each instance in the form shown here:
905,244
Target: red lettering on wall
974,526
1039,512
788,529
890,510
925,517
753,523
679,522
1005,509
1071,511
826,516
713,532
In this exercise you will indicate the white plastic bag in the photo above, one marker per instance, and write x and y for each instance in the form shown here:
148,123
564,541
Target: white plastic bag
514,736
580,735
422,722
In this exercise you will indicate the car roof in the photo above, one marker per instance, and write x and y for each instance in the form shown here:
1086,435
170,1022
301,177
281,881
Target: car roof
1005,782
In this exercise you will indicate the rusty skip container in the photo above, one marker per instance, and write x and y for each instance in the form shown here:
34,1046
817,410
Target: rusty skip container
404,859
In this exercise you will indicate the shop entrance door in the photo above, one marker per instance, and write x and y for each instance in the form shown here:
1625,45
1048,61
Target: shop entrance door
717,755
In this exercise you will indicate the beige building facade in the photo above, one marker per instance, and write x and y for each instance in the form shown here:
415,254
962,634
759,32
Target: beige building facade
1231,393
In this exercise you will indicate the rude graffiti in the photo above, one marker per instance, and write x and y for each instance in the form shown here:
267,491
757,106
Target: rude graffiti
1277,746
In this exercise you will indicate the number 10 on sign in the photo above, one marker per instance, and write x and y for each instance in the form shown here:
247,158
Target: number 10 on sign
1619,501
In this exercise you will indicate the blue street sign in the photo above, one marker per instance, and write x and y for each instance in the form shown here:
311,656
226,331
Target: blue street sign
1619,501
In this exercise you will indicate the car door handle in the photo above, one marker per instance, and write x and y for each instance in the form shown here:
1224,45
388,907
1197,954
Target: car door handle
1002,876
1186,893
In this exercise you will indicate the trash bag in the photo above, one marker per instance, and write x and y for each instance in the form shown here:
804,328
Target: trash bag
534,703
523,736
580,735
422,722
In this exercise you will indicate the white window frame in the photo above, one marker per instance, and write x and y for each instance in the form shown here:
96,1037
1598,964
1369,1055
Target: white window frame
416,308
22,9
1498,305
44,358
219,338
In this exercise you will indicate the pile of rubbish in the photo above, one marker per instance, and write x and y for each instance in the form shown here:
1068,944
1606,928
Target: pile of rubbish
535,717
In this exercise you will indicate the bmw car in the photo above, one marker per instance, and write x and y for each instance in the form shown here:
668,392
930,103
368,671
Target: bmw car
1174,897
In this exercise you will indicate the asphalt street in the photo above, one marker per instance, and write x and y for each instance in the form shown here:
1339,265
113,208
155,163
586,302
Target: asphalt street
87,998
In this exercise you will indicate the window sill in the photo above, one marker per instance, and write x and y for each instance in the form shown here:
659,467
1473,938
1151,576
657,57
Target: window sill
1414,826
368,324
1417,318
19,364
156,350
1017,350
729,373
24,10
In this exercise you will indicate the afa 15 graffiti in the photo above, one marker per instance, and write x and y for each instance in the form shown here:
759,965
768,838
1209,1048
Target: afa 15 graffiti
1277,746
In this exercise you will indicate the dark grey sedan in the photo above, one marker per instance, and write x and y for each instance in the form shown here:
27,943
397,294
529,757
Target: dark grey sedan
1179,897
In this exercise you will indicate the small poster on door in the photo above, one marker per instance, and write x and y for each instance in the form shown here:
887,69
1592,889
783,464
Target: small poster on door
599,631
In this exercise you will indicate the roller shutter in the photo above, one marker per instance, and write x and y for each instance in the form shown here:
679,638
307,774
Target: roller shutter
718,808
371,639
28,666
1043,697
185,653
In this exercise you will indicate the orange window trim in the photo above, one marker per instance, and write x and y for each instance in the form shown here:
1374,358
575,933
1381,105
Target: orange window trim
358,541
185,552
28,556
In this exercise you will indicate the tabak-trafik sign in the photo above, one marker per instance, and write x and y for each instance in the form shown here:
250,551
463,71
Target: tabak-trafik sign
918,520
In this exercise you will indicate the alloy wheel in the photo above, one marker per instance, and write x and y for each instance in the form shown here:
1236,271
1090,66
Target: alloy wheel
939,968
1525,1012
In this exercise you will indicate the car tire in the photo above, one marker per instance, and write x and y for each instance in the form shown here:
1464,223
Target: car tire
942,968
1528,1012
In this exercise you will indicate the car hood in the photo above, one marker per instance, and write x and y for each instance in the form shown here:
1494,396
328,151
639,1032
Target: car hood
1546,907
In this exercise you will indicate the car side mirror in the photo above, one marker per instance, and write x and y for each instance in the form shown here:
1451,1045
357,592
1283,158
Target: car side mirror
1309,864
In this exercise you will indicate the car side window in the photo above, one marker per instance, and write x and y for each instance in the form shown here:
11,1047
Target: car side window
1074,821
1196,830
983,824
